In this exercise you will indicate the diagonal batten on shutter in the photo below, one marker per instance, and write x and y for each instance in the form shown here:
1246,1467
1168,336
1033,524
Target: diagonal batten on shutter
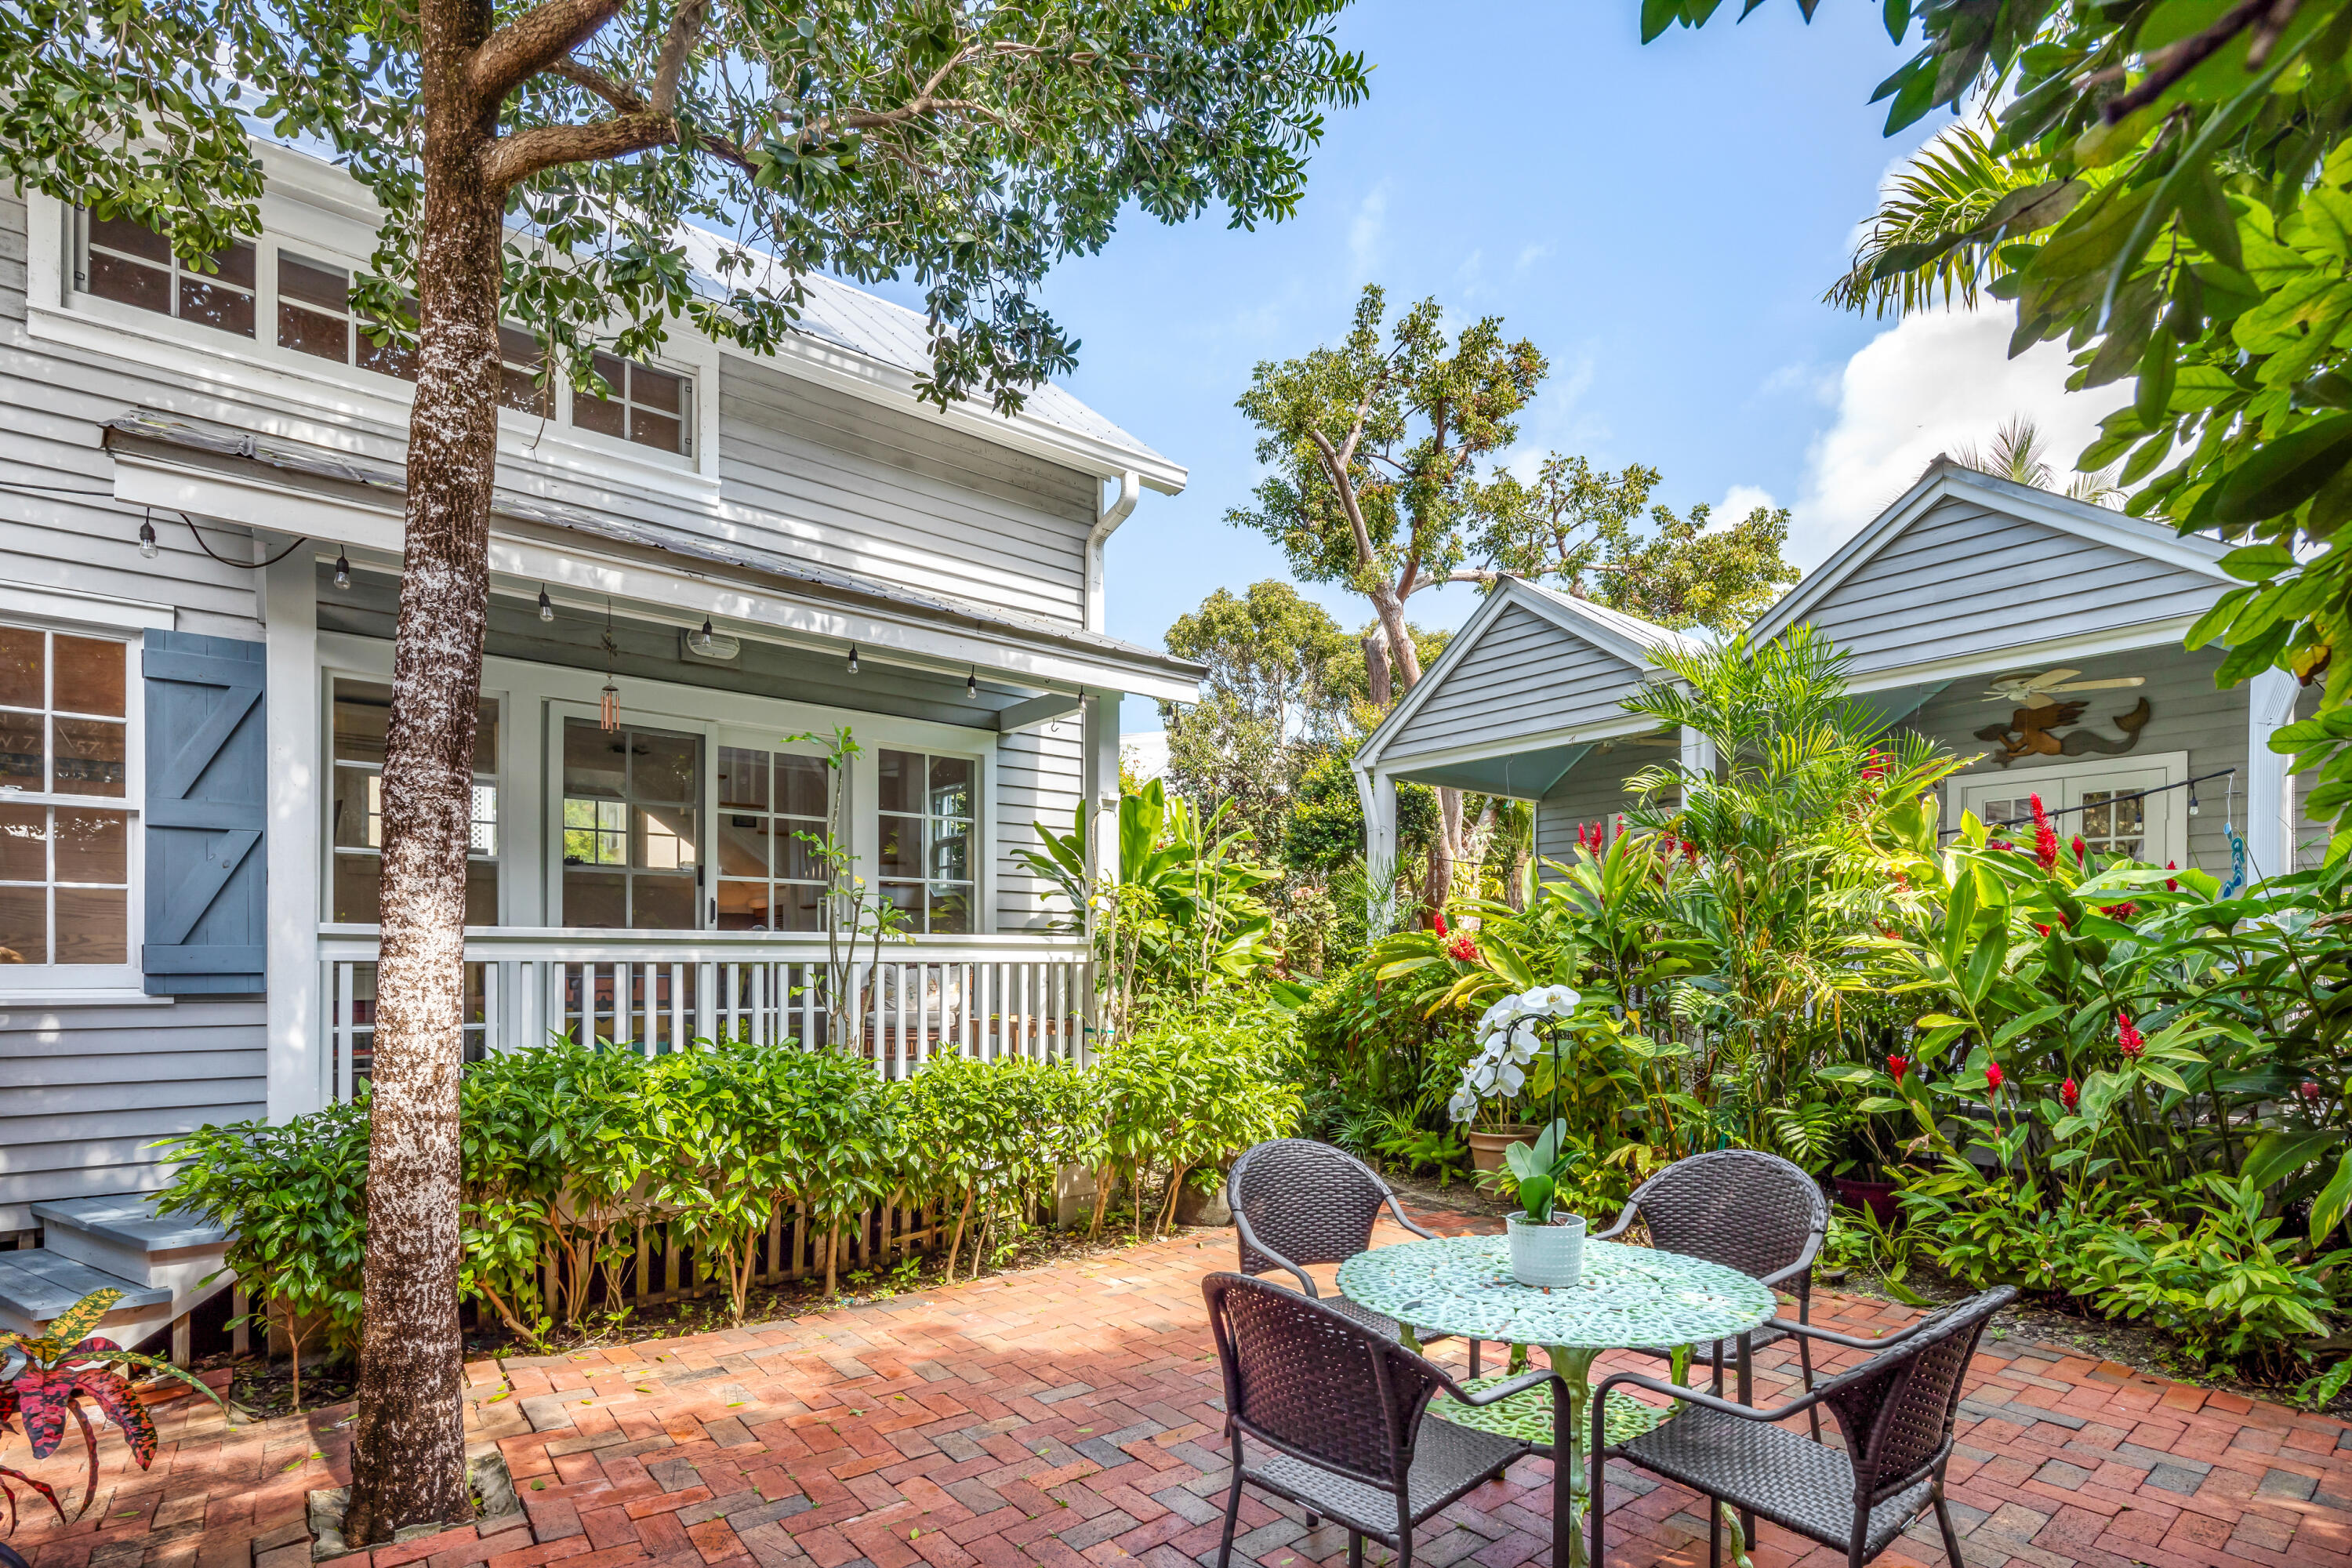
207,777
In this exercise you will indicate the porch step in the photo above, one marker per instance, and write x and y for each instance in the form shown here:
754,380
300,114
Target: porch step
125,1236
38,1285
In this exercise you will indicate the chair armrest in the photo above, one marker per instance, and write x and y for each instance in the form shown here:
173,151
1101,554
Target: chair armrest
1250,1243
1849,1340
1396,1211
1690,1396
1797,1270
1503,1390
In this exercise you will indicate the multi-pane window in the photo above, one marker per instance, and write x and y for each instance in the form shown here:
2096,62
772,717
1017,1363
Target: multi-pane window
2115,822
648,406
315,317
771,806
130,264
926,862
65,862
355,878
631,848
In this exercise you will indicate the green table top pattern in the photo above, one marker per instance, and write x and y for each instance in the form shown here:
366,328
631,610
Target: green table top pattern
1629,1296
1527,1416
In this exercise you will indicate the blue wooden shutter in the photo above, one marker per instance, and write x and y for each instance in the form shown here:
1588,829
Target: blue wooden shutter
207,782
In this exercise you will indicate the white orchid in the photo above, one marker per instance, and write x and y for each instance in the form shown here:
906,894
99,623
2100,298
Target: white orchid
1463,1106
1551,1001
1482,1077
1509,1079
1520,1046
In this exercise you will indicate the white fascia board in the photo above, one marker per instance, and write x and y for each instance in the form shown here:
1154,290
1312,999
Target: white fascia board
2084,520
1457,648
2167,633
1488,751
370,524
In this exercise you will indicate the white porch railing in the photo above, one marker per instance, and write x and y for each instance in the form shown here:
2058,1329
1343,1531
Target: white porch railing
985,997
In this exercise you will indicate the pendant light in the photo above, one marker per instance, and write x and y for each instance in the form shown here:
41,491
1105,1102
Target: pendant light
853,658
971,682
546,605
705,639
147,545
342,570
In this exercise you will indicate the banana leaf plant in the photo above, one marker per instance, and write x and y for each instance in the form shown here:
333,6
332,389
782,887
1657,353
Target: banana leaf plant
44,1379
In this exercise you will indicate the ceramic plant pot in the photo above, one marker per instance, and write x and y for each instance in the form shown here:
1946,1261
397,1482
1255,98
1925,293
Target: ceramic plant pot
1547,1255
1486,1146
1878,1197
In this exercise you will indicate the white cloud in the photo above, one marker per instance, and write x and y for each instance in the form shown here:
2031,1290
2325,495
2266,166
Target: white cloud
1803,377
1738,502
1933,383
1528,255
1367,234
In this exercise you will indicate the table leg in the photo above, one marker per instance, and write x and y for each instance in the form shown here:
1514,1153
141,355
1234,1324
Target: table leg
1748,1397
1570,1409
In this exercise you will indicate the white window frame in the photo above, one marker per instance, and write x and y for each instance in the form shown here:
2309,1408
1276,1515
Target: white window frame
257,369
840,786
328,677
99,981
2062,786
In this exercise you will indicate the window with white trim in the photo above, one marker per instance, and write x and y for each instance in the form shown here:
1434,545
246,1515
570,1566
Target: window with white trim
929,813
304,296
68,831
771,822
355,829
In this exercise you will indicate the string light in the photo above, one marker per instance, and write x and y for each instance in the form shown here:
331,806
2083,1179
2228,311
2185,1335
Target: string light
971,682
546,605
705,638
342,570
853,658
147,545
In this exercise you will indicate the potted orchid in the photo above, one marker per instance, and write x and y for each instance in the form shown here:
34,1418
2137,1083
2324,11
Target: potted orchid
1513,1034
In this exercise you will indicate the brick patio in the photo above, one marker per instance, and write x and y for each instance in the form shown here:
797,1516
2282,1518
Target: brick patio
1066,1417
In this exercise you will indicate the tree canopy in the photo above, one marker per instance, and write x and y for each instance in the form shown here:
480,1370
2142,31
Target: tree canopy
972,146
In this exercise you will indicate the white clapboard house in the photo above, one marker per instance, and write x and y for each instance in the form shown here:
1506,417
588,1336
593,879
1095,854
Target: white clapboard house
2038,634
752,551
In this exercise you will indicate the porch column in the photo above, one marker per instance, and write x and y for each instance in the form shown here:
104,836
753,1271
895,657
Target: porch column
1377,790
1099,764
1698,752
297,1064
2270,789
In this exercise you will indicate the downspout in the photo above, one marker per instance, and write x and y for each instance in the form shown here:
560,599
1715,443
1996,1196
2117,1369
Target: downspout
1131,487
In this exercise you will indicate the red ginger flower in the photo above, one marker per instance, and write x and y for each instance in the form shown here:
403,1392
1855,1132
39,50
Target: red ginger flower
2119,911
2069,1095
2045,846
2043,929
2127,1036
2077,847
1992,1077
2041,818
1462,948
1437,921
1898,1065
1999,844
2308,1089
2172,884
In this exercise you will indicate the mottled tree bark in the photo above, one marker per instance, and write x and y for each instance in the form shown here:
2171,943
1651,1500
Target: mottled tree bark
408,1449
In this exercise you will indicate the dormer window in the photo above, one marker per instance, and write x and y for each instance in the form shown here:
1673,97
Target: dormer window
650,407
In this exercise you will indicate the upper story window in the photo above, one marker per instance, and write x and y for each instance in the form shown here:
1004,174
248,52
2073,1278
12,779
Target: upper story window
927,833
295,303
651,408
355,837
66,830
133,264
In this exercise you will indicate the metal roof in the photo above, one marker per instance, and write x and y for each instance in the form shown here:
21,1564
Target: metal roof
305,460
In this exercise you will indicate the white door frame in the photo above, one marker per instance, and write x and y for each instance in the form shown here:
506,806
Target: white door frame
2060,784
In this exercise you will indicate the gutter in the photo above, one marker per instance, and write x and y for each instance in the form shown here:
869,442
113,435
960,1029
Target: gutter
1131,488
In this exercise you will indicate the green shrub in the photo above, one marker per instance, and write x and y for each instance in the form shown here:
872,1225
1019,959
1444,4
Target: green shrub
1194,1084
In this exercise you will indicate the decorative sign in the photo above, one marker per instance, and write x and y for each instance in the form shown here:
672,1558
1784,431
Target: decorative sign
2034,732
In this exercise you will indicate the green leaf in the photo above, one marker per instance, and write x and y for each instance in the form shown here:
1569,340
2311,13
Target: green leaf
2327,1209
2282,474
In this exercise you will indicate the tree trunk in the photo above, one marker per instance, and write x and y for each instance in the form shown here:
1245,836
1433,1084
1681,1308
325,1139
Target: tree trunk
1443,850
408,1450
1376,669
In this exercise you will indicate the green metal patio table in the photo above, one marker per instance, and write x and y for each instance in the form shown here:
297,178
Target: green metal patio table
1629,1296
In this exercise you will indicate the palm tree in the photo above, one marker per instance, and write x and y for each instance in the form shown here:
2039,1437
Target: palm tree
2018,456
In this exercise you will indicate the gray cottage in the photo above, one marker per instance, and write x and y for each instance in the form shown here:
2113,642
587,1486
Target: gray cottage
698,582
2038,634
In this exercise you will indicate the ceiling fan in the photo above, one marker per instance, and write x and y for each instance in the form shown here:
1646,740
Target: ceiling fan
2038,690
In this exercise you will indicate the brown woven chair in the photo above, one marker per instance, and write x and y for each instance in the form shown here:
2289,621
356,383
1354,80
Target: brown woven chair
1746,1210
1342,1405
1896,1411
1296,1201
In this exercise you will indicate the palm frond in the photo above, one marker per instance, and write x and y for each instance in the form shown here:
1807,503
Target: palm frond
1930,236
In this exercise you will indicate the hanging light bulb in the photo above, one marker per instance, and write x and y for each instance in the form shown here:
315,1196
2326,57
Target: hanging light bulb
704,638
546,605
971,682
147,545
2192,801
342,570
853,658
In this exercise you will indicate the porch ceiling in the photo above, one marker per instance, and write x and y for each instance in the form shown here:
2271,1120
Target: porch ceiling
186,463
1524,775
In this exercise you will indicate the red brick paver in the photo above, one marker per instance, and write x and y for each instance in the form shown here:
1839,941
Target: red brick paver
1067,1417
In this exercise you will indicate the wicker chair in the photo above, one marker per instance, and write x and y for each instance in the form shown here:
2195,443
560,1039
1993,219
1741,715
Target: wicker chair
1896,1411
1296,1201
1746,1210
1341,1404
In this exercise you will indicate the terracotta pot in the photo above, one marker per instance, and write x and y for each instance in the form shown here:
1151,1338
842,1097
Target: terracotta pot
1878,1197
1486,1146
